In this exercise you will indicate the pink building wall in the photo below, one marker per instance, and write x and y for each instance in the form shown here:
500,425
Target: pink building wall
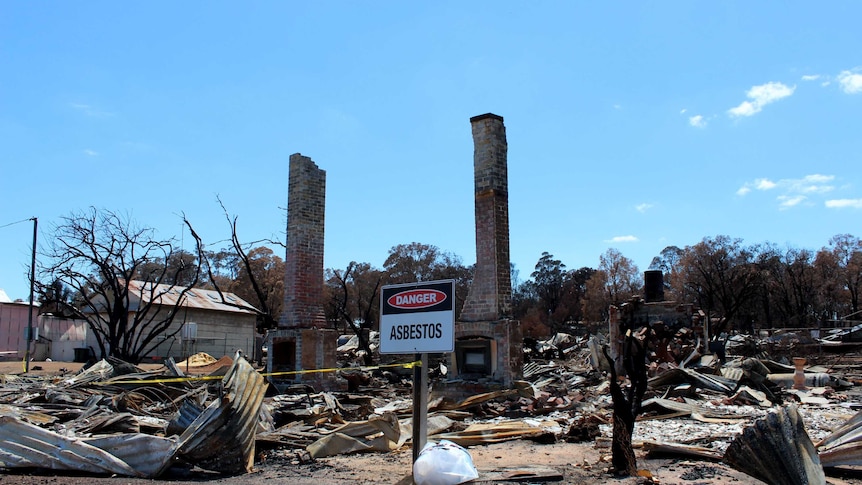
13,325
58,337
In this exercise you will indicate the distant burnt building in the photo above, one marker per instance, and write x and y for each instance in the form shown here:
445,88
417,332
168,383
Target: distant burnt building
668,319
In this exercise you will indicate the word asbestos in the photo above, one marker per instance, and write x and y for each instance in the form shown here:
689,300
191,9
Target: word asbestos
416,331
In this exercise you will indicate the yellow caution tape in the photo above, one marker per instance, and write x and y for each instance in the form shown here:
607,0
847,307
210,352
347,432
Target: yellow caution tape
161,381
406,365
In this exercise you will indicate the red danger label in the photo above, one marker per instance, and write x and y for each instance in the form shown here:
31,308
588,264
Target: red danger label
413,299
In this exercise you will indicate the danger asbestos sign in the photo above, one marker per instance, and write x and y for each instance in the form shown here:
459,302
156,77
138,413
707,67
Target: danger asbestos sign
417,318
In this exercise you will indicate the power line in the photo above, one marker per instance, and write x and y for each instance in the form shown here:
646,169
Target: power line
17,222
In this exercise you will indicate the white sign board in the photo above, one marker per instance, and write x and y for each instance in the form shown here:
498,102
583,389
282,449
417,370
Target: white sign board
417,318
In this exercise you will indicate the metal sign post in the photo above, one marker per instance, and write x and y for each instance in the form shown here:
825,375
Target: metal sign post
420,405
418,318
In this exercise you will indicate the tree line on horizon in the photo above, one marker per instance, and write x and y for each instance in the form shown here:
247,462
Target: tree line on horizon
91,254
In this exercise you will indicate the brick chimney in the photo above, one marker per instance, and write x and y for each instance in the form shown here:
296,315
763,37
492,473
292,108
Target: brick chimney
303,279
490,296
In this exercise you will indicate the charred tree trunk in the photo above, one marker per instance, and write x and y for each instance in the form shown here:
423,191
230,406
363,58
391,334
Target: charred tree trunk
627,402
622,453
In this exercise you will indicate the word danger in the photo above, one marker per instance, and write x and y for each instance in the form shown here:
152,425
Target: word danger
414,299
416,331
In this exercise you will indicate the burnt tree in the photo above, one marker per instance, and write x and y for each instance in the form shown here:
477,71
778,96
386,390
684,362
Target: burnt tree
251,283
353,300
627,398
101,256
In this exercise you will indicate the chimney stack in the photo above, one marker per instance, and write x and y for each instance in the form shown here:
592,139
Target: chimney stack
490,296
653,286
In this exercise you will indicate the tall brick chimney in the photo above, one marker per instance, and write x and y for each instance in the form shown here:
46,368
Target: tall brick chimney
488,353
303,279
490,296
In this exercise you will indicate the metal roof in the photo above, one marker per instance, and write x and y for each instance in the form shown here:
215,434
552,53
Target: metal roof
168,295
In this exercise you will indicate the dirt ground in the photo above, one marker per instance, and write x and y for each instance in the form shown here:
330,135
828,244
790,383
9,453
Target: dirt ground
578,463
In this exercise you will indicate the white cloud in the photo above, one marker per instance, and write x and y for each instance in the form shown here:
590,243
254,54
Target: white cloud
757,184
622,239
787,201
811,77
643,207
850,81
815,183
809,184
764,184
769,92
792,191
819,178
682,111
844,203
91,153
744,109
760,96
697,121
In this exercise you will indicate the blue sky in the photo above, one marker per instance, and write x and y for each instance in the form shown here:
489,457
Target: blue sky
631,125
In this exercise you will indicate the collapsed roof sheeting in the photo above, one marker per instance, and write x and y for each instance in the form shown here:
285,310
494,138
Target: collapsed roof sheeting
777,450
704,381
28,446
148,455
221,438
844,445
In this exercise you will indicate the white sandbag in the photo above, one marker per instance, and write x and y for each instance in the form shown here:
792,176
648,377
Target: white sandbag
443,463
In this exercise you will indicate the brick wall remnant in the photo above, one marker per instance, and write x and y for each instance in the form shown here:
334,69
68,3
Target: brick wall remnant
490,296
303,279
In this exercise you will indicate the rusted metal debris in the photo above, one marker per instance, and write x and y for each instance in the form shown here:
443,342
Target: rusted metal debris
98,439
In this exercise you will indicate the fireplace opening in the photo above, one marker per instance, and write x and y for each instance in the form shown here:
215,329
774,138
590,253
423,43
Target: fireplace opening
474,356
284,354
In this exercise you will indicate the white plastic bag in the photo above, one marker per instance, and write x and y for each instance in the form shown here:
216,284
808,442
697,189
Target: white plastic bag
443,463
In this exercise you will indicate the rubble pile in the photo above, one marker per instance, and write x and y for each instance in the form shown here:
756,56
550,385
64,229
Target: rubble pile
114,418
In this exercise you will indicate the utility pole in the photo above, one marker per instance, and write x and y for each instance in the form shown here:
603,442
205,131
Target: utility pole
32,288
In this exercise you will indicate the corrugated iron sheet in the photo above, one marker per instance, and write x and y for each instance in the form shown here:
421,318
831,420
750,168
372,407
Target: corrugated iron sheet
185,416
167,295
776,449
28,446
222,437
147,454
844,445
